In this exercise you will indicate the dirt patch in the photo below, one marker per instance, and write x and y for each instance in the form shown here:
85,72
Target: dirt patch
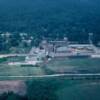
17,86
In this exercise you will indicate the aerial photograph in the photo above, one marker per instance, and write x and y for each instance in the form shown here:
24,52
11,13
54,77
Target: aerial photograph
49,49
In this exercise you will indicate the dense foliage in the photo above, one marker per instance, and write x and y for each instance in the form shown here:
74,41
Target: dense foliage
12,96
43,89
36,90
51,18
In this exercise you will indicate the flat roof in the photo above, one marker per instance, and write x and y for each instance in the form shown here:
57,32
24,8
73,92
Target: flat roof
80,45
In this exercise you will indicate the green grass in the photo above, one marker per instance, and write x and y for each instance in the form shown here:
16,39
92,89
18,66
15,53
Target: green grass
55,66
67,89
3,60
81,65
7,70
20,71
79,90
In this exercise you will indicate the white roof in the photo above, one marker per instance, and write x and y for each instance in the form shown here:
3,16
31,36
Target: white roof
80,45
63,48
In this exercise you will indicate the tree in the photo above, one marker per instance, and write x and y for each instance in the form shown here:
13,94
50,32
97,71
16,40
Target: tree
42,89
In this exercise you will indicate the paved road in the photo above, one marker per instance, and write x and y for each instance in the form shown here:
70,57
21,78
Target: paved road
12,55
56,55
56,75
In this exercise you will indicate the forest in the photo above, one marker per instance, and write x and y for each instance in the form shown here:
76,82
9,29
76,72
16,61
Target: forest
51,19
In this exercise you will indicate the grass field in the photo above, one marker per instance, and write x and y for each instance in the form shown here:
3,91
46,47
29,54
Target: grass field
67,89
79,65
79,90
7,70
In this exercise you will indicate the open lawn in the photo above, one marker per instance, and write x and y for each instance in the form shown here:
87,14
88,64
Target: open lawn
6,70
72,65
79,90
64,65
